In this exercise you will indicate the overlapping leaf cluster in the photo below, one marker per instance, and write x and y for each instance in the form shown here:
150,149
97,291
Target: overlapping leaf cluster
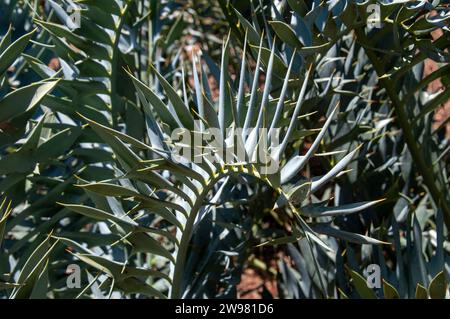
88,154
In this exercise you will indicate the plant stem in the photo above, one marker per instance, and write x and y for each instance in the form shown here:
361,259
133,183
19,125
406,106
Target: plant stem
115,65
407,129
177,280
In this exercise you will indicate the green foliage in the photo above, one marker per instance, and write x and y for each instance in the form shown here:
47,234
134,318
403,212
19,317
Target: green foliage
89,151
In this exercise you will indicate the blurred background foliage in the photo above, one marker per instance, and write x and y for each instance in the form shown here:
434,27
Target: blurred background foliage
391,85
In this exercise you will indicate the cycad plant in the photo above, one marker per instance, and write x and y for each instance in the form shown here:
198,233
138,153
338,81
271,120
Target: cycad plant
159,170
379,51
157,199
